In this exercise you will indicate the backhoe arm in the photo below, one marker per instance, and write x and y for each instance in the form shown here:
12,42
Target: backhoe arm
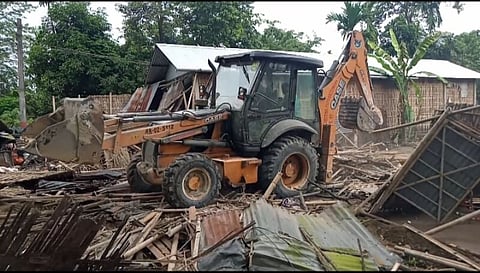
351,64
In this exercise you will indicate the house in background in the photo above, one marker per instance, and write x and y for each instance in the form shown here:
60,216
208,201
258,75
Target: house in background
176,73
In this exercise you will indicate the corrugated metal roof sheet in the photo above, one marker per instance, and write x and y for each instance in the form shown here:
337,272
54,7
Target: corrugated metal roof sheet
335,230
279,244
195,58
215,227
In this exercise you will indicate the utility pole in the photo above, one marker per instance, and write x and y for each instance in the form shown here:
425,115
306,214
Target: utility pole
21,79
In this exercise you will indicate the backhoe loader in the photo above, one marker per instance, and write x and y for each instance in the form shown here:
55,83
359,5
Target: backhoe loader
263,113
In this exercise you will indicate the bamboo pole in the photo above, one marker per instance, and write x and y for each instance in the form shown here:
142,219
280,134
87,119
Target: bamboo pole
110,102
437,259
453,222
444,247
272,185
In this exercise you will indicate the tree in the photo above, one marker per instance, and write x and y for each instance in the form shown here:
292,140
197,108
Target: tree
352,14
411,21
399,68
73,54
9,12
443,49
232,24
466,52
229,24
274,38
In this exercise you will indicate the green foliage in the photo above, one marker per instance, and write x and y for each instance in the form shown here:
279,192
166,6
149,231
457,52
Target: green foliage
229,24
462,49
411,21
443,49
73,54
232,24
352,14
274,38
400,67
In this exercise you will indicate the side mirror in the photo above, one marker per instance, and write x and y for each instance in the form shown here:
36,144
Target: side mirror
242,93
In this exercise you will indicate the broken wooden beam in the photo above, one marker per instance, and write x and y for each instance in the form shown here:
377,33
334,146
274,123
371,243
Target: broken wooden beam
444,247
272,185
453,222
436,259
173,252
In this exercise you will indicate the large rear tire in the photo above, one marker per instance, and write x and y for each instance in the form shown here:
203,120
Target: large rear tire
193,179
136,181
296,159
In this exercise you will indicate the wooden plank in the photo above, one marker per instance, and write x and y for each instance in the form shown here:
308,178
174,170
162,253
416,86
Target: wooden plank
148,217
444,247
158,254
174,230
196,242
149,227
192,214
173,252
396,266
140,246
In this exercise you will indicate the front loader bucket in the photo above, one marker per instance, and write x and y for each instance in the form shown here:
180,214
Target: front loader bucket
73,133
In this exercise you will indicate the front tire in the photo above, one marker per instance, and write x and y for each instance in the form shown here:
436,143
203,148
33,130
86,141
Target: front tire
296,159
193,179
136,181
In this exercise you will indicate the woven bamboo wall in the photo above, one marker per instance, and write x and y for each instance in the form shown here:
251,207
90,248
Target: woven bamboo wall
118,102
434,95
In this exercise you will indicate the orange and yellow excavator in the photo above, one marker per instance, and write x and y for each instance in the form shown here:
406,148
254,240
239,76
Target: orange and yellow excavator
263,113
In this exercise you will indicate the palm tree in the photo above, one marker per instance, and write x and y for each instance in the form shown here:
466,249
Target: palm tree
353,13
350,16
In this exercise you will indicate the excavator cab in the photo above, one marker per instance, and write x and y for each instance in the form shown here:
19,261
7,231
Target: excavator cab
276,93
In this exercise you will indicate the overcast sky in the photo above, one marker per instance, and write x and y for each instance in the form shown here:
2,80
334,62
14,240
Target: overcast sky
307,17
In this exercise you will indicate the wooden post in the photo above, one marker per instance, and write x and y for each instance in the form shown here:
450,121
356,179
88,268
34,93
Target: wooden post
110,102
475,94
21,79
53,103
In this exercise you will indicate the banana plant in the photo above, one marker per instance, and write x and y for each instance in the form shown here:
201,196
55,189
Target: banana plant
400,67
